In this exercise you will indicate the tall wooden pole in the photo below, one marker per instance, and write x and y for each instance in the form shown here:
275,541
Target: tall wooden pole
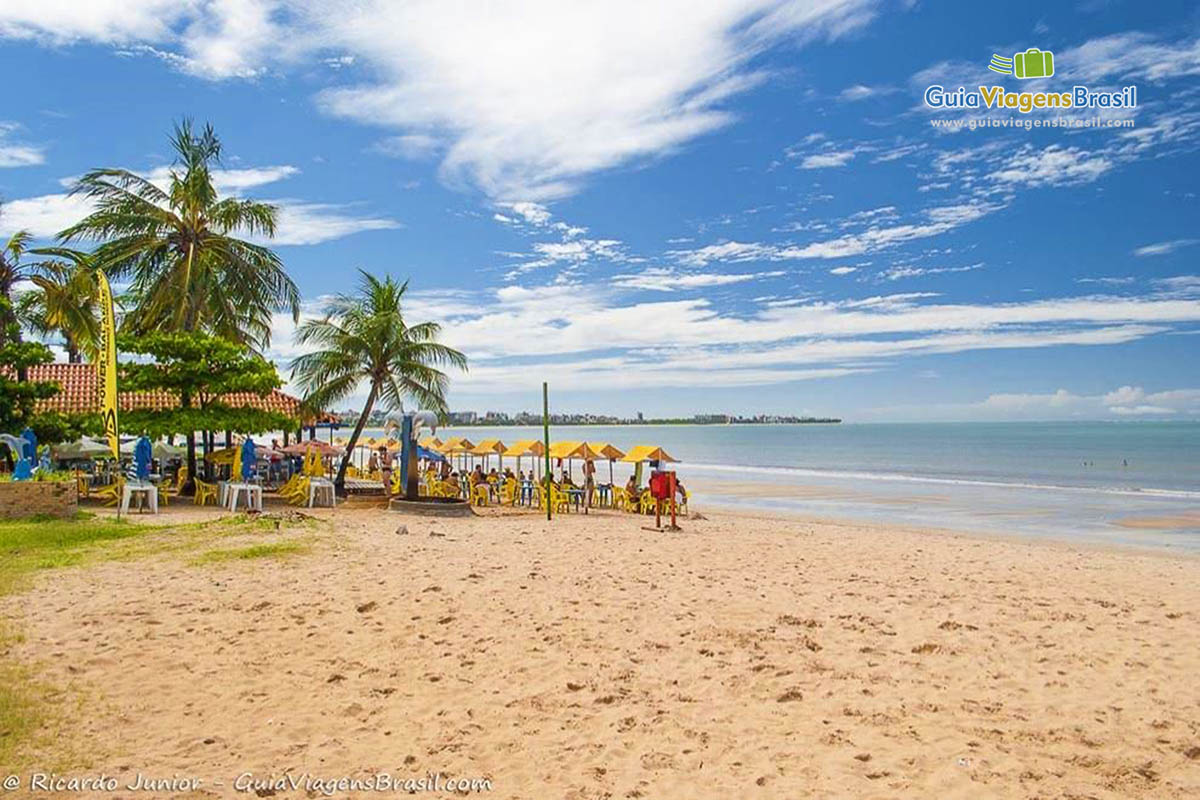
546,443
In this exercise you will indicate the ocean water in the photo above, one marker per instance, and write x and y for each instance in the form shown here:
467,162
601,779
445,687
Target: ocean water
1128,482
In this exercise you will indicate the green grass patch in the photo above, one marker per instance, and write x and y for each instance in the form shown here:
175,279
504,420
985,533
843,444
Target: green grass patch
273,550
20,704
30,712
33,544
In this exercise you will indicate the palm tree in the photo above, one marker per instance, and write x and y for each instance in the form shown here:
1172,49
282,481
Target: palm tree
12,270
65,302
179,247
364,338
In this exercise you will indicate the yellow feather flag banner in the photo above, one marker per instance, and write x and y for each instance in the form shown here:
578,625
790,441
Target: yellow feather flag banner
108,364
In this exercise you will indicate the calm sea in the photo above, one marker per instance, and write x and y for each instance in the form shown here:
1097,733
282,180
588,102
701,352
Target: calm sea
1131,482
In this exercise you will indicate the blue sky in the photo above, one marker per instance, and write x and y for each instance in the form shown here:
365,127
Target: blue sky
727,206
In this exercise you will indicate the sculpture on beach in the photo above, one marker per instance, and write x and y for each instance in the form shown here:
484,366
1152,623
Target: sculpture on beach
403,426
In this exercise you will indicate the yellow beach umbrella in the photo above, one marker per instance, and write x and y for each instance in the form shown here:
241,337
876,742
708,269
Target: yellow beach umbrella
489,447
569,451
606,451
646,452
565,449
526,447
432,443
459,445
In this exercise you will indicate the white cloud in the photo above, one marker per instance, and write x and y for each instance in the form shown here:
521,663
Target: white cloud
1061,404
301,223
1179,285
594,335
531,213
105,21
1052,166
833,158
842,270
16,154
1140,411
937,220
1129,56
858,91
525,99
1021,402
899,273
42,216
1124,396
667,280
414,146
1163,248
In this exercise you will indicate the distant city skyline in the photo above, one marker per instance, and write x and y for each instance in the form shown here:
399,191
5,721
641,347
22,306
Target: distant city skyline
379,418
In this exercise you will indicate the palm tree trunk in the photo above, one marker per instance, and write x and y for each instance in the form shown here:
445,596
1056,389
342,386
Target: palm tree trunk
340,483
189,488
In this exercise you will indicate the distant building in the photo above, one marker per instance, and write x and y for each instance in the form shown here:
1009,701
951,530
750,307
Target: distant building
640,417
462,417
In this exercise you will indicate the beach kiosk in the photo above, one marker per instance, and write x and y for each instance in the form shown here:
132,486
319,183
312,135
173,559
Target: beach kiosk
662,482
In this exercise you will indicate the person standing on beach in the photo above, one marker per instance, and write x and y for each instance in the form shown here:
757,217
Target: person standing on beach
589,481
385,467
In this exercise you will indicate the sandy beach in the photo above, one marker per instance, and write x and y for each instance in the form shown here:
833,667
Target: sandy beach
745,656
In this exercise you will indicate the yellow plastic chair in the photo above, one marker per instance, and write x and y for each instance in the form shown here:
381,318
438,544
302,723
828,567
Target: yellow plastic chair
299,495
82,486
110,495
205,492
647,502
480,496
560,499
508,494
295,490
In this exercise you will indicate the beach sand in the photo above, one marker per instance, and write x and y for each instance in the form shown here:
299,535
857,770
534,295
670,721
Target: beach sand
748,656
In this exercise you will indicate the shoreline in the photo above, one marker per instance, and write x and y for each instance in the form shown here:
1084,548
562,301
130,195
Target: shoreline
1062,542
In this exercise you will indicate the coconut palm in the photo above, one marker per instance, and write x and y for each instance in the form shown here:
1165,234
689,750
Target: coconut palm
65,301
178,246
12,270
364,338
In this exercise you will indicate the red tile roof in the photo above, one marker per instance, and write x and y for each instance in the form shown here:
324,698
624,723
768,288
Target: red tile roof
79,392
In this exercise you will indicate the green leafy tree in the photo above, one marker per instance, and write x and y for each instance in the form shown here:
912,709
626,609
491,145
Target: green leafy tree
64,301
197,369
19,396
364,338
179,246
